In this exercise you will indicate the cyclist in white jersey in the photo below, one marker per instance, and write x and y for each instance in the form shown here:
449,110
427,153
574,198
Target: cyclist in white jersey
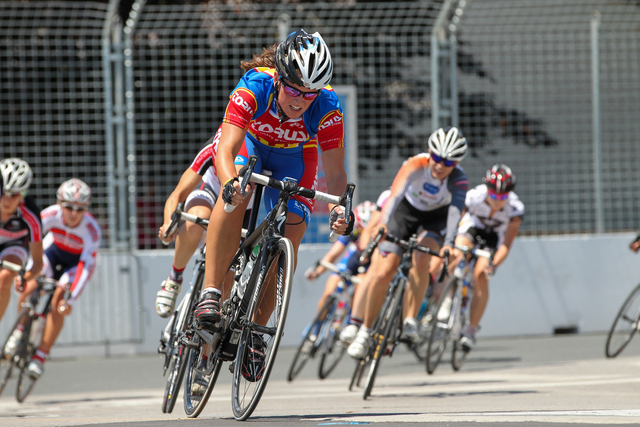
427,195
20,226
71,243
493,213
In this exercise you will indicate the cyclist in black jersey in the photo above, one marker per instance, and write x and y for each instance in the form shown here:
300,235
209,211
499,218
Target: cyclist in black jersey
20,226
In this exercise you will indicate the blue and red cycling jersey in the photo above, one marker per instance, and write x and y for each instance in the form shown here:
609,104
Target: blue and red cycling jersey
289,149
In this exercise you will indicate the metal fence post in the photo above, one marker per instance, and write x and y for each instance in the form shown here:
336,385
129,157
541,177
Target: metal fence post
597,137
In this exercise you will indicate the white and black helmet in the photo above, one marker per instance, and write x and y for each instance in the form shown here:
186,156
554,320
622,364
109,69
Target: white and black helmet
16,175
304,59
448,143
74,191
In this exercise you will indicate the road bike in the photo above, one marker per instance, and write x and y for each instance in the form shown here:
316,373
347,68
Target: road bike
452,313
387,328
31,318
625,325
322,335
174,352
262,272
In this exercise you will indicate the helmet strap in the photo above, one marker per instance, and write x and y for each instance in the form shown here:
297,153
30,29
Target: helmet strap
281,115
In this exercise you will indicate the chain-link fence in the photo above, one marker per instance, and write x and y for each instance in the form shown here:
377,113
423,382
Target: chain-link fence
526,98
52,95
523,84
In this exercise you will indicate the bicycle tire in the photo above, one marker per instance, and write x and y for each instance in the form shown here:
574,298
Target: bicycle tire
194,403
425,323
246,394
25,353
459,354
177,368
177,365
441,330
301,358
331,349
625,325
390,320
8,362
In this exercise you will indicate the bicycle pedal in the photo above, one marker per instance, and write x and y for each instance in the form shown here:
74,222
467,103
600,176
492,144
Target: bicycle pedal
232,366
162,348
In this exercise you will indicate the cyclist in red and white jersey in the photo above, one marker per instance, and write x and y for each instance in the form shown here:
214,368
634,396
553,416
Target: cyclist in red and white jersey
427,195
494,213
199,188
71,243
20,226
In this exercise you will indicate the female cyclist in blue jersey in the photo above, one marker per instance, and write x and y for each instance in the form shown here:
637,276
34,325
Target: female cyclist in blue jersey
281,104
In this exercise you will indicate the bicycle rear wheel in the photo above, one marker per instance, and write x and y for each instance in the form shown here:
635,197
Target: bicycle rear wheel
383,335
8,361
331,349
250,376
307,348
625,326
442,327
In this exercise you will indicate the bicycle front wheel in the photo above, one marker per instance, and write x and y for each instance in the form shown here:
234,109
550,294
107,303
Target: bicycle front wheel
390,321
8,361
203,368
459,353
425,323
331,349
25,353
444,319
263,328
308,347
177,368
625,326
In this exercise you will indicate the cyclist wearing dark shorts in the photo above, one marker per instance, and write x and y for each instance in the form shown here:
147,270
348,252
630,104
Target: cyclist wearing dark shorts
427,196
20,226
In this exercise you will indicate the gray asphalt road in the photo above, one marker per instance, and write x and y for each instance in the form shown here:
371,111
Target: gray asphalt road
531,381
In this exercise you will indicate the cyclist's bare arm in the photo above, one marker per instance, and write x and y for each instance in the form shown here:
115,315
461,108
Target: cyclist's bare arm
187,183
36,251
330,257
369,230
509,236
333,161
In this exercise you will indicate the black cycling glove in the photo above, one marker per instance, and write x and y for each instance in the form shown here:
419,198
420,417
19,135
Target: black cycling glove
333,217
229,190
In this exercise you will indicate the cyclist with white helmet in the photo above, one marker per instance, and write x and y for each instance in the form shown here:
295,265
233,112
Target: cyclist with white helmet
493,213
72,237
427,197
282,104
20,226
346,248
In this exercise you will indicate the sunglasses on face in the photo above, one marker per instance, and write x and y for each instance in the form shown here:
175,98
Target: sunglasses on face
293,92
496,196
10,195
438,159
74,208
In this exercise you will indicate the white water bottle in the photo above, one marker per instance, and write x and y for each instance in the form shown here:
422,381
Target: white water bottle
36,330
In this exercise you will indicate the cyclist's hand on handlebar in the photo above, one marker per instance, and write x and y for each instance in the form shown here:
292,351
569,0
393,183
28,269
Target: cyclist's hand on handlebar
337,222
446,250
635,245
231,192
64,308
18,284
171,237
